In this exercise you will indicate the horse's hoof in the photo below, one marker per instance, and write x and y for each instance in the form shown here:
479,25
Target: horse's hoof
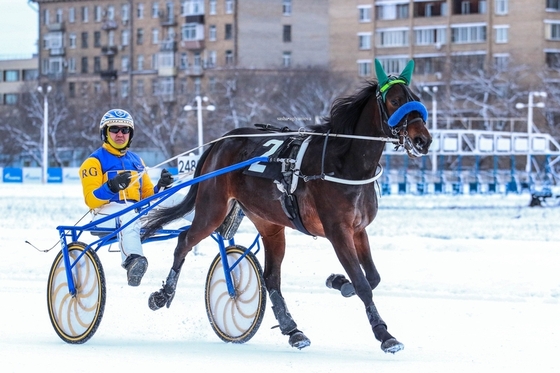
298,340
392,345
159,299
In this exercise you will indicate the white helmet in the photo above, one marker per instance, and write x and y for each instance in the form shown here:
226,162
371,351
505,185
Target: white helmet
115,117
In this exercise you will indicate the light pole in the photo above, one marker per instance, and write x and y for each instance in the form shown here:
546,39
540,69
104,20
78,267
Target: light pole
45,133
432,93
530,105
198,109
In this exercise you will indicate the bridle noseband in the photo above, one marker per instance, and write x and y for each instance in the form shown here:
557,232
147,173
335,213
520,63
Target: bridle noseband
399,130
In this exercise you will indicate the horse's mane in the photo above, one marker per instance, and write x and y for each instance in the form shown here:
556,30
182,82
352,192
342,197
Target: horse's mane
345,111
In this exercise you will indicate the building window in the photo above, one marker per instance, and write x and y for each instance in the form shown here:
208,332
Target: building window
391,11
287,59
155,36
501,61
139,36
212,59
124,88
72,15
212,33
286,33
97,13
469,62
551,5
429,65
212,6
10,98
125,64
393,65
140,62
72,41
85,14
125,12
155,60
469,7
553,60
183,61
552,30
287,7
468,34
72,65
11,75
96,64
430,36
97,39
72,89
364,13
229,6
228,31
84,40
229,57
140,88
430,9
501,34
364,68
140,11
125,38
155,10
364,40
58,16
392,38
84,69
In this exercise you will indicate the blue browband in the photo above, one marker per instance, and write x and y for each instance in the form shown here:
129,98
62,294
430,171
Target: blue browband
407,108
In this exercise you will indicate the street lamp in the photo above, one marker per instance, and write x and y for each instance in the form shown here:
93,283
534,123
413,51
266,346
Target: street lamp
198,109
432,93
45,132
530,105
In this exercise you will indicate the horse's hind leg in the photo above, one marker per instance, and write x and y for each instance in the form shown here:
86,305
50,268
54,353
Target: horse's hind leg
274,243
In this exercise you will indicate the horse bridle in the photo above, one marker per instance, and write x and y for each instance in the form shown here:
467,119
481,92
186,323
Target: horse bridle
399,131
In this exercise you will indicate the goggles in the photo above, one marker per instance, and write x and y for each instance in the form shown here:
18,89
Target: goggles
123,130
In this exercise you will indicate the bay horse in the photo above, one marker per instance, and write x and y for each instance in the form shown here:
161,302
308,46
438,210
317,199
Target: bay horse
347,148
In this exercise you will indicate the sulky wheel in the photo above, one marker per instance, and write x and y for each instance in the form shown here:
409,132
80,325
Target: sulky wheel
75,318
235,319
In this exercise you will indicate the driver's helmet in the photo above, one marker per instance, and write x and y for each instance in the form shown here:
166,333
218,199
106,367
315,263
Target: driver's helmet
115,117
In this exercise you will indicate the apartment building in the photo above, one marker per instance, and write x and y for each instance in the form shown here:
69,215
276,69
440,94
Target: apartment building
14,73
136,48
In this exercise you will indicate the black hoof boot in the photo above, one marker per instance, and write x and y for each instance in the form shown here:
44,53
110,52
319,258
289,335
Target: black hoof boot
160,298
165,295
392,346
339,282
298,339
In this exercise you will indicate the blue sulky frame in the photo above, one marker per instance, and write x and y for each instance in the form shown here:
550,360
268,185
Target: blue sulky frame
109,235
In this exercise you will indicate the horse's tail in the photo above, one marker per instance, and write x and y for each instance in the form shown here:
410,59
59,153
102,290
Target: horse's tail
157,218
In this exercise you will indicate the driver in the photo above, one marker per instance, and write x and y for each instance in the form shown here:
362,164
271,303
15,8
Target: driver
113,178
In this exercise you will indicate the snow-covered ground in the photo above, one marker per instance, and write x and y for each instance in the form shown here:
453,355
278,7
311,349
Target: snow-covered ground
469,284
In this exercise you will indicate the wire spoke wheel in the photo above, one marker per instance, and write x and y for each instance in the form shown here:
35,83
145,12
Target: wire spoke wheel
235,318
75,318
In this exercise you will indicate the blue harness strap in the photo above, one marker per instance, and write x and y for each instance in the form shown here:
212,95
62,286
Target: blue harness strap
406,109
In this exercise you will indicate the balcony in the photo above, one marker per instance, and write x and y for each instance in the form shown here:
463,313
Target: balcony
58,26
109,50
56,76
194,71
54,52
108,74
168,46
110,25
192,44
167,71
199,18
167,19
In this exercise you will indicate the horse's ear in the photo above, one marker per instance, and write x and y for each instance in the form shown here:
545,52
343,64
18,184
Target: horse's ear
382,77
407,72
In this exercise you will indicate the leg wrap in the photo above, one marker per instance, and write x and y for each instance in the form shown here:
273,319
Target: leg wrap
165,295
287,324
373,317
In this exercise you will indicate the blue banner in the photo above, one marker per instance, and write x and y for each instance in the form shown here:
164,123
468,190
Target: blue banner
12,175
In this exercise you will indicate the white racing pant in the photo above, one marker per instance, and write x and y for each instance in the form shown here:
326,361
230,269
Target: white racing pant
129,237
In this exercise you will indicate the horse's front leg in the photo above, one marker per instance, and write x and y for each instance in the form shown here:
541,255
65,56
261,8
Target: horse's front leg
351,259
274,243
165,295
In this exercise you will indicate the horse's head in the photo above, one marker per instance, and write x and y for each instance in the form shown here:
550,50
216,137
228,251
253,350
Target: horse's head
402,110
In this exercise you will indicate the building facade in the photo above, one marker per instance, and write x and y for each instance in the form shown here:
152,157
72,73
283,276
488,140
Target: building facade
14,73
